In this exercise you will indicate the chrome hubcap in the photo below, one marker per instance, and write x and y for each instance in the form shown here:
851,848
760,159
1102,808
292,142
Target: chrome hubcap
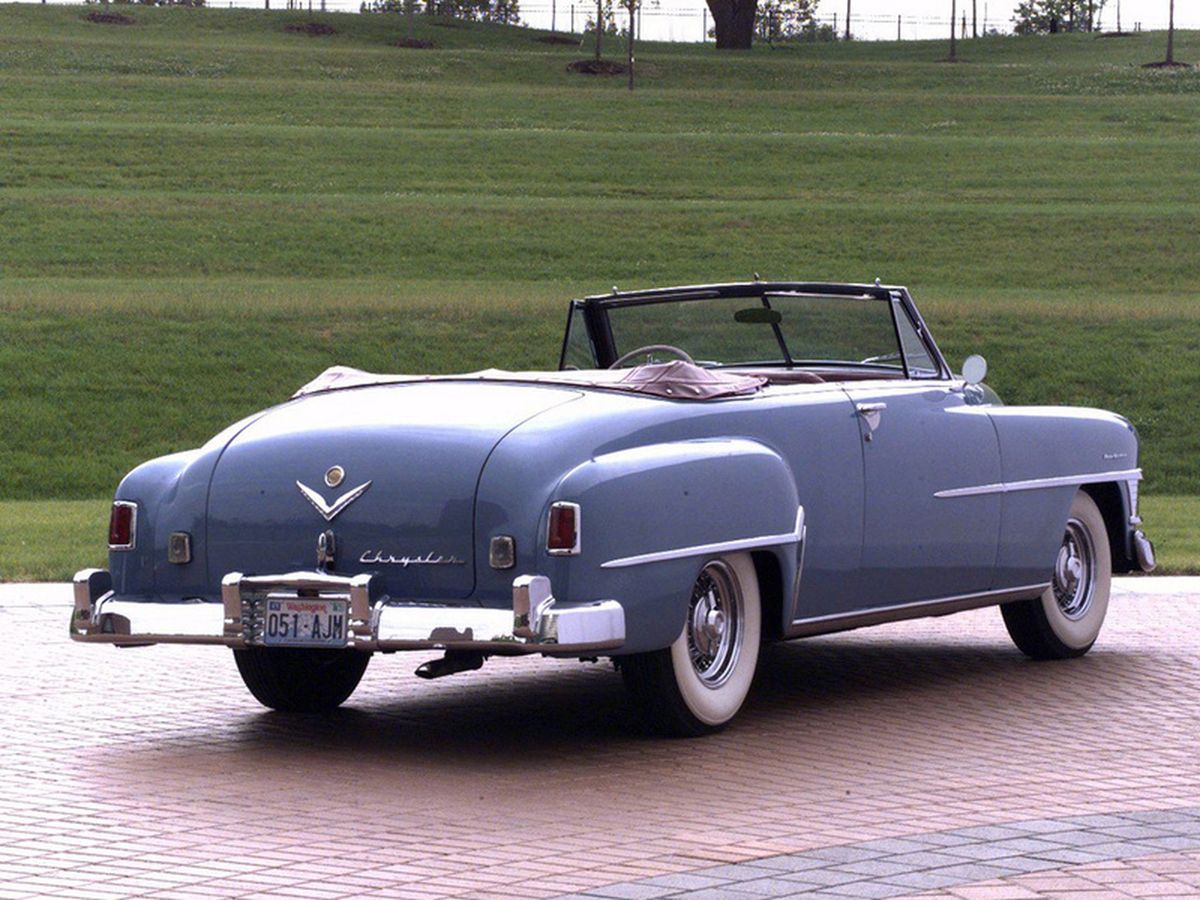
1075,571
714,624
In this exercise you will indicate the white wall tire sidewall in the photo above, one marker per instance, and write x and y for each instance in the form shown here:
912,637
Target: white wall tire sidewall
1079,634
716,706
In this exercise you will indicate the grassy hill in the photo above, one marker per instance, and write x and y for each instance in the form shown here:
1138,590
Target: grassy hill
201,210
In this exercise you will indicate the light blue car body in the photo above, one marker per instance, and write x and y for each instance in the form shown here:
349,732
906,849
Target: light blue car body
947,500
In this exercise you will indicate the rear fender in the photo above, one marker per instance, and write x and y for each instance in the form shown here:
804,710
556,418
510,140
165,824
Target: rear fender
651,516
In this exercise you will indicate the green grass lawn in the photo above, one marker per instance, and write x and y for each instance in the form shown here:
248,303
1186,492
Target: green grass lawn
201,211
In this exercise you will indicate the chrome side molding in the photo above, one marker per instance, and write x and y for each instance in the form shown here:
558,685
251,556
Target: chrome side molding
795,536
919,609
1033,484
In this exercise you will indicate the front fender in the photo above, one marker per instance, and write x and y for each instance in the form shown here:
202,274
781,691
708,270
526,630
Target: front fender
651,516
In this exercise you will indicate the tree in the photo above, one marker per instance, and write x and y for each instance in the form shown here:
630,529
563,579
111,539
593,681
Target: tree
1053,16
733,21
953,46
786,20
1171,36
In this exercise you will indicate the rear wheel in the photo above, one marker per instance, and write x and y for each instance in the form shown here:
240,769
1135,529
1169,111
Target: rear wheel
297,679
1065,621
698,684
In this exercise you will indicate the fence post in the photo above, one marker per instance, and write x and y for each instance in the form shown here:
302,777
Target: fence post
553,14
897,27
704,26
572,18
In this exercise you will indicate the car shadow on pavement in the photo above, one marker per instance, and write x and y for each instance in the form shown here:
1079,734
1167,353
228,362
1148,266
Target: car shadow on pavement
530,712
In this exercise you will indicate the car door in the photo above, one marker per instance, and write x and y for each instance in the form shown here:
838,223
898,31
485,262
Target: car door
918,438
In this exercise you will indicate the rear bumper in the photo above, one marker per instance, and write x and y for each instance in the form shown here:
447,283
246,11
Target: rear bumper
537,623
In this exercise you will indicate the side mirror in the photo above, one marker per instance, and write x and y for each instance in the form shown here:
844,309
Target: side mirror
974,369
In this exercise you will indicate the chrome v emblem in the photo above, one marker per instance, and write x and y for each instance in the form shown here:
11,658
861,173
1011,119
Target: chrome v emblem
330,510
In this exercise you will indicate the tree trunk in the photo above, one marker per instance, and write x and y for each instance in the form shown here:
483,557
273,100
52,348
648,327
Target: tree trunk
599,27
631,5
1171,36
953,16
733,21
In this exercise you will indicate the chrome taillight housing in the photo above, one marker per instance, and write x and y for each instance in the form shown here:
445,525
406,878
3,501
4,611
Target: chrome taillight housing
122,525
562,535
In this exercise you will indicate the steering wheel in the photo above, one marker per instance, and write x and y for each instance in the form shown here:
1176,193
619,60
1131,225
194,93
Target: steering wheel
651,348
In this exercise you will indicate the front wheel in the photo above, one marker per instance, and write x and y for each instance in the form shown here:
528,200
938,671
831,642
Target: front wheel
297,679
698,684
1065,620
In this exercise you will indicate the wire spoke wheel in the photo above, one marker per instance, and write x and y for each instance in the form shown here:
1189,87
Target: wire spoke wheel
1074,581
714,624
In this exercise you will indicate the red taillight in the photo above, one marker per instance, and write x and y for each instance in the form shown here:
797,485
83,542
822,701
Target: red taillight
563,534
122,525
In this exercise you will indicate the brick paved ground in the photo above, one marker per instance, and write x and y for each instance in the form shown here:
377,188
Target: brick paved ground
153,772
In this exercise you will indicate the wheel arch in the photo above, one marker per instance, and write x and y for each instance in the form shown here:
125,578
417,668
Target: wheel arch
771,593
1110,499
653,514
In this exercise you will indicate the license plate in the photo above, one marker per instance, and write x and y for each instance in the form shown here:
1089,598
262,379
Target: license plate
305,622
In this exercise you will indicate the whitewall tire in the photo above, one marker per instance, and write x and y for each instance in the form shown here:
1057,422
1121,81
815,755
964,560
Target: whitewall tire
697,685
1066,619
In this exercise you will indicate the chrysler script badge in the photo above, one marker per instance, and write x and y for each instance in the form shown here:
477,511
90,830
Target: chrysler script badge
378,558
330,510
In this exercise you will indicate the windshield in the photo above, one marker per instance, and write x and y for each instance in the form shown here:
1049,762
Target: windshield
777,329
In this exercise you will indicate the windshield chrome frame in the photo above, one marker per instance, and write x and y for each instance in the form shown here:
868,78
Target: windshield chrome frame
595,309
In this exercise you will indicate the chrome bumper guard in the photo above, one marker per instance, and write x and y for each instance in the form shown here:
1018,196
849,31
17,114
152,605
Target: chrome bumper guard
537,623
1144,551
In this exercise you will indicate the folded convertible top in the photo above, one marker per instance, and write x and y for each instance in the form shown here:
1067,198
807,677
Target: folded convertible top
675,380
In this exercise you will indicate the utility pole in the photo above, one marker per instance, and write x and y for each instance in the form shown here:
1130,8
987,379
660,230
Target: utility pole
897,27
553,13
848,18
974,18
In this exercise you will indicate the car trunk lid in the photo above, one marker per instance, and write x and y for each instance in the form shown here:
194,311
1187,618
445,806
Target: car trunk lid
391,471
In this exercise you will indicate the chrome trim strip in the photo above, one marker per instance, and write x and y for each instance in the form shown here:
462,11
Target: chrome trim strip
766,540
1033,484
918,609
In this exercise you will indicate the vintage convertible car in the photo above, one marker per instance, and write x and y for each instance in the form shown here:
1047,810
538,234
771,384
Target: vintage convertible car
709,468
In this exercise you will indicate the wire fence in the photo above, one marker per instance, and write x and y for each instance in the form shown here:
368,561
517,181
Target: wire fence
692,23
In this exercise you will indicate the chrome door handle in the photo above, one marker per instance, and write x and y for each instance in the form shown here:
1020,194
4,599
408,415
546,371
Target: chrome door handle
871,414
